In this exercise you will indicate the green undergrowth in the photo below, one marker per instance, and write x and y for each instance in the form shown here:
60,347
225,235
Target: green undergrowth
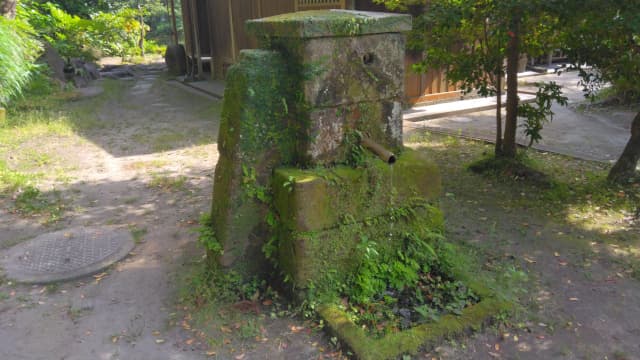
414,286
473,298
226,312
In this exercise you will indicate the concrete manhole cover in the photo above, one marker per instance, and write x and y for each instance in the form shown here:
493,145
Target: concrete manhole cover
66,254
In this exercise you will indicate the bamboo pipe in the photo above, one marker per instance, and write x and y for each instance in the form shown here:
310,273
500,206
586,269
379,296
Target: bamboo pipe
384,154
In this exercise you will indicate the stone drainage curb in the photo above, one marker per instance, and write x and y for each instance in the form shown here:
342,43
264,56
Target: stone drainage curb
66,254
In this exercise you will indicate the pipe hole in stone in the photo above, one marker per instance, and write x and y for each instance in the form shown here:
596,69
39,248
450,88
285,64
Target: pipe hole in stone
368,58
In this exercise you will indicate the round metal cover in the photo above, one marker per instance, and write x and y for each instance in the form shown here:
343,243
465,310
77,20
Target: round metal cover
67,254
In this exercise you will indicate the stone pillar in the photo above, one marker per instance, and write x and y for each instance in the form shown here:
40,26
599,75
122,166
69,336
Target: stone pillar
353,75
319,76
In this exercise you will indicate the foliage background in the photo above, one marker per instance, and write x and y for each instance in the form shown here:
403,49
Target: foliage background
18,51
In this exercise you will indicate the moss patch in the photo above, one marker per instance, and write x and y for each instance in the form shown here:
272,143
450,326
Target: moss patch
322,23
315,199
412,340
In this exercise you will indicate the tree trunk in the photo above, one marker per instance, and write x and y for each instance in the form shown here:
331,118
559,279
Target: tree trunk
625,167
499,114
511,121
8,8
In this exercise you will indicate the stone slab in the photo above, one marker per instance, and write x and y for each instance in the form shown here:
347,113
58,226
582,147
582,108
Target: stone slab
428,112
320,259
329,23
67,254
381,121
354,69
316,199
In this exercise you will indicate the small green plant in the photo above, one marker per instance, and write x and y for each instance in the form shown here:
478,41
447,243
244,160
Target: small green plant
137,233
52,288
356,154
207,236
252,188
392,292
31,201
167,183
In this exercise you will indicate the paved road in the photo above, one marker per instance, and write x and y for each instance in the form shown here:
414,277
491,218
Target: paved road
578,130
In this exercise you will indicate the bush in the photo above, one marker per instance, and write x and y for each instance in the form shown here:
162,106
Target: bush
18,51
110,34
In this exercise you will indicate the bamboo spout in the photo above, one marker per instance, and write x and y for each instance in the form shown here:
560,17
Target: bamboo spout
384,154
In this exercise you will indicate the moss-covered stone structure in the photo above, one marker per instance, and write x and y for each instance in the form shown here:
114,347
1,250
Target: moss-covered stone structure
294,188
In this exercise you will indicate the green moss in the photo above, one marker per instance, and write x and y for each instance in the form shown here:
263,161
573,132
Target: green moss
260,126
410,341
317,199
322,23
319,260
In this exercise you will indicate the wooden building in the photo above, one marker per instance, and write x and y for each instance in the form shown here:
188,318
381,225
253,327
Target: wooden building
215,34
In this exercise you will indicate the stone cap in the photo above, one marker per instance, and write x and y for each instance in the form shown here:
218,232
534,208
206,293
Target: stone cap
329,23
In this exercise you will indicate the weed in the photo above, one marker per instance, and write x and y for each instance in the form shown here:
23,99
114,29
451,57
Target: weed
137,233
131,200
31,201
52,288
167,141
207,236
143,165
3,296
167,183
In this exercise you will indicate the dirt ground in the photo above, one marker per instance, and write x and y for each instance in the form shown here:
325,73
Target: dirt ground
146,163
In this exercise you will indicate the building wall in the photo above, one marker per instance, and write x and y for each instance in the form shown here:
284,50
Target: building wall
223,36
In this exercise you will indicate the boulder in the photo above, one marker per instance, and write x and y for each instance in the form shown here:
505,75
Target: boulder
56,63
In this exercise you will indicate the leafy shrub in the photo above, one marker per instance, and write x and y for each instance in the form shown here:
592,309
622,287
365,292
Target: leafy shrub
110,34
18,50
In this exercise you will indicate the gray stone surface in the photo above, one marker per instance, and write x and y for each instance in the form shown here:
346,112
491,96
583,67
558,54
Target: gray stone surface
329,23
55,62
354,69
67,254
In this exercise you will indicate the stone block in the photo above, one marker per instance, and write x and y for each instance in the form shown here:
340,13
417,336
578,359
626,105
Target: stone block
380,121
347,70
255,137
315,199
322,258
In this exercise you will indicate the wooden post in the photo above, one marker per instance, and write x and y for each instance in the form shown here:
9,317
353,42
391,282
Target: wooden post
174,27
142,34
232,32
196,37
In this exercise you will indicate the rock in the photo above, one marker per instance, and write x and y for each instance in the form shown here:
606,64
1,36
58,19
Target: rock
117,72
92,70
56,63
83,72
176,60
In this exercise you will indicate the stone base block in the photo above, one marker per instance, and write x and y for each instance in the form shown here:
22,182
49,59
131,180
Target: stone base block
316,199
